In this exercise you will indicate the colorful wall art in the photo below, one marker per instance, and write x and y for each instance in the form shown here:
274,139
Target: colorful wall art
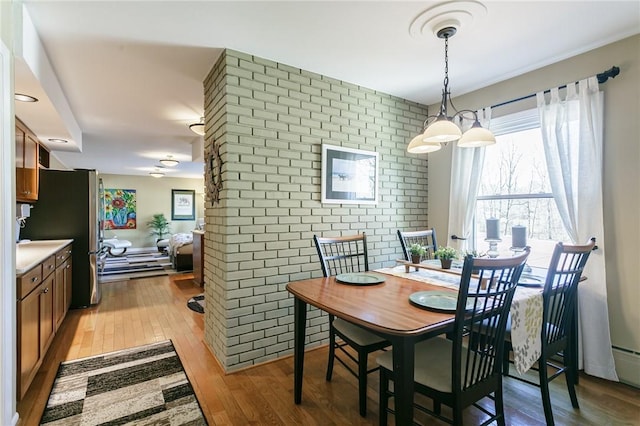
119,209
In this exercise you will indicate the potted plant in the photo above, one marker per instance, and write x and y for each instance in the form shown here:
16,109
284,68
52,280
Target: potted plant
446,256
159,226
417,251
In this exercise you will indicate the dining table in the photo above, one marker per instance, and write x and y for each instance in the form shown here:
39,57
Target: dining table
385,309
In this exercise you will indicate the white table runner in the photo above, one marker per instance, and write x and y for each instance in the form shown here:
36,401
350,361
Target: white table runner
526,312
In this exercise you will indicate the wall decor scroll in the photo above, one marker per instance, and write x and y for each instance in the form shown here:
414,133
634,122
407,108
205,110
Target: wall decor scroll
213,173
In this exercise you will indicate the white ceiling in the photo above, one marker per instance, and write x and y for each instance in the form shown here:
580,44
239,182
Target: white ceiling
131,72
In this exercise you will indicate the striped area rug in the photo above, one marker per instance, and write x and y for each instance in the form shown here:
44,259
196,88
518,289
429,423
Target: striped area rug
144,385
142,263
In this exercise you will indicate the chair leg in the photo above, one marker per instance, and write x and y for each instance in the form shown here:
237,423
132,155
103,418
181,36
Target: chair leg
383,397
332,350
362,382
505,359
457,416
499,405
544,389
571,378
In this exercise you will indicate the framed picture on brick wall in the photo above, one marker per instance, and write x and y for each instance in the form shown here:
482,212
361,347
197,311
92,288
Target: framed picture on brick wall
349,176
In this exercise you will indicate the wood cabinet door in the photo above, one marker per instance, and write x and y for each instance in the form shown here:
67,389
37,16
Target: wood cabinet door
47,323
59,297
20,170
28,339
31,167
27,152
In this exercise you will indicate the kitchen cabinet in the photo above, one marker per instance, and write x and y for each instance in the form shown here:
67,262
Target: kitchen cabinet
35,323
62,285
27,155
44,296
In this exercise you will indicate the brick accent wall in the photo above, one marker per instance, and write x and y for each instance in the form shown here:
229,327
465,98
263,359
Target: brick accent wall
271,120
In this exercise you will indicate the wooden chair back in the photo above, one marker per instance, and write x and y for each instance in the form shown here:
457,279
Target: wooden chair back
483,310
560,292
426,238
339,255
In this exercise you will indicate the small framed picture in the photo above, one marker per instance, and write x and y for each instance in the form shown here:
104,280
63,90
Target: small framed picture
349,176
183,205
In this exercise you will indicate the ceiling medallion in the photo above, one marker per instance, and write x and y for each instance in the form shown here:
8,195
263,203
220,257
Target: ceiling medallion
454,14
213,173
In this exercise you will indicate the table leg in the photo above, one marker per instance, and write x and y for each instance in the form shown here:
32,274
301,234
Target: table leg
403,365
299,327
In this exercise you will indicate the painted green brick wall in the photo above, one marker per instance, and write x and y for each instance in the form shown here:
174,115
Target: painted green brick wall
271,120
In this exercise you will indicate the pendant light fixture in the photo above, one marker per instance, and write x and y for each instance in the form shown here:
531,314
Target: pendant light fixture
198,128
157,172
442,128
169,161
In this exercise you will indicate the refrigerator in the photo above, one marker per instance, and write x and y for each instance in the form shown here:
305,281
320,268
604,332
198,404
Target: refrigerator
68,207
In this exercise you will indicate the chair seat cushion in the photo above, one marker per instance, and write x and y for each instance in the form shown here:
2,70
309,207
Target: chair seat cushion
432,363
356,333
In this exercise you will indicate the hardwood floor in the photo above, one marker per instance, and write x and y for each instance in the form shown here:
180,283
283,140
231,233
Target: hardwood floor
142,311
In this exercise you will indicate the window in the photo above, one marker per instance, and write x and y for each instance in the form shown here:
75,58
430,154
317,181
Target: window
515,188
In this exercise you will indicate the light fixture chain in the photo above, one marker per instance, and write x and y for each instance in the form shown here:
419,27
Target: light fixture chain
446,62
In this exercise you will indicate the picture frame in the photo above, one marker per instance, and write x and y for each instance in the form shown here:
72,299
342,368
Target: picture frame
183,205
349,176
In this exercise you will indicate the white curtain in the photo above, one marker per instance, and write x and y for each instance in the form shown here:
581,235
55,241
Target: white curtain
466,169
572,136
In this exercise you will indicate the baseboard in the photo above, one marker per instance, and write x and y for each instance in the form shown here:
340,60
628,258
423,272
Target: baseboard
627,366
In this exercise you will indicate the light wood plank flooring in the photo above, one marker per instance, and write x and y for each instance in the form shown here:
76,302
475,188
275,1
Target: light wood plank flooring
142,311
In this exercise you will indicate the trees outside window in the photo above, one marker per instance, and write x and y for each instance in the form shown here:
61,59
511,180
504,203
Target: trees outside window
515,189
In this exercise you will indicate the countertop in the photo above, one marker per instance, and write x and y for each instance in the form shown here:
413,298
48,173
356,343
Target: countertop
30,253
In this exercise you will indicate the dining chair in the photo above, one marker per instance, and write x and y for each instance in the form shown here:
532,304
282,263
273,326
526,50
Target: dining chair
559,310
452,371
426,238
339,255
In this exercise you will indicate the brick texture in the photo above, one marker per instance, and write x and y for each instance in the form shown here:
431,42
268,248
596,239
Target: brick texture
270,121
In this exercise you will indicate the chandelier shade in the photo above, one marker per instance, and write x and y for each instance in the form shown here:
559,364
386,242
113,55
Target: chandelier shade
442,131
476,136
419,146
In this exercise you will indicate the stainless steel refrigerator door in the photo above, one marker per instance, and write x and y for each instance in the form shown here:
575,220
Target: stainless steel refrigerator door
94,238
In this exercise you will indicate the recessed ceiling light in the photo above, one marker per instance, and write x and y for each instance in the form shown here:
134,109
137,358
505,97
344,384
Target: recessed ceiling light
54,140
24,98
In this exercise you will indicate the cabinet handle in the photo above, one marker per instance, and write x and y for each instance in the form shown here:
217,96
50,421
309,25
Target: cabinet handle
46,290
50,266
68,266
34,279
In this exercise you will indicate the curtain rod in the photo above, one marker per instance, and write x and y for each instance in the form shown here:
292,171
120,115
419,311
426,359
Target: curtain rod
602,77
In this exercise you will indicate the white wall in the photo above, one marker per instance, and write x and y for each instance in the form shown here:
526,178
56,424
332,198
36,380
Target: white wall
8,413
621,171
153,195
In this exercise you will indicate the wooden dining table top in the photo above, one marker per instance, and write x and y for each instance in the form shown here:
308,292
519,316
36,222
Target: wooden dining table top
384,307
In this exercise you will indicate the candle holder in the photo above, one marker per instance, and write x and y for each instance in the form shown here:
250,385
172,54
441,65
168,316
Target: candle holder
493,247
518,250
